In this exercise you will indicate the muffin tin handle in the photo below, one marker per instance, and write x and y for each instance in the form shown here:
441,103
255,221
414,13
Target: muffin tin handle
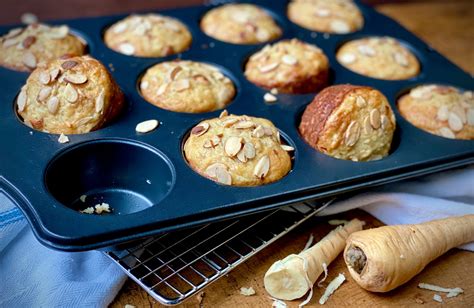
11,193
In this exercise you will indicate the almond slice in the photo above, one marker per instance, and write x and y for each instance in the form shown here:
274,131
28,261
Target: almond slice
120,27
366,50
223,176
367,126
287,148
269,67
212,169
146,126
443,113
44,78
249,150
289,59
181,85
44,93
352,134
244,125
58,32
348,58
401,59
71,93
470,116
99,102
76,78
269,132
126,48
375,118
360,101
29,60
162,89
10,42
223,114
258,132
454,122
174,72
53,105
233,145
447,133
229,122
340,26
262,167
241,156
63,139
384,121
69,64
262,35
22,100
322,12
144,85
269,98
200,129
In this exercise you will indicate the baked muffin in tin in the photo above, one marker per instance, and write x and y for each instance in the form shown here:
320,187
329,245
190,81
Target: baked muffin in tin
22,49
441,110
71,96
187,86
237,150
379,57
329,16
290,66
240,24
149,35
349,122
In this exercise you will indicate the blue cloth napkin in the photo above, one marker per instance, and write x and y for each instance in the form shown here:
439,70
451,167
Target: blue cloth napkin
32,275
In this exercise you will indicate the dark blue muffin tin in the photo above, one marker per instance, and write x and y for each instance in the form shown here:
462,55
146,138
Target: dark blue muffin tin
145,178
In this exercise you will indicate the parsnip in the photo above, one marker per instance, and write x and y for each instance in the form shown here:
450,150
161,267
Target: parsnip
384,258
293,276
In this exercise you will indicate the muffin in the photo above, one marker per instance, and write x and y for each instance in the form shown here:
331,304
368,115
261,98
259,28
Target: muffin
240,24
290,66
335,16
149,35
379,57
237,150
22,49
187,86
349,122
71,96
440,110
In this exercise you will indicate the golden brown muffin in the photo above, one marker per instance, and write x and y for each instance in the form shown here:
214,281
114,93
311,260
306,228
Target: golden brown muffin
71,96
349,122
440,110
237,150
149,35
334,16
291,66
379,57
187,86
240,24
22,49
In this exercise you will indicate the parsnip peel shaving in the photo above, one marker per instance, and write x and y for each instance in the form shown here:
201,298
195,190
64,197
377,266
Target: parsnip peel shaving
336,222
325,269
437,298
451,292
247,291
308,243
332,287
278,303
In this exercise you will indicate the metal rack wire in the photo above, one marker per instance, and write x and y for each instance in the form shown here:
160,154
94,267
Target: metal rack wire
173,266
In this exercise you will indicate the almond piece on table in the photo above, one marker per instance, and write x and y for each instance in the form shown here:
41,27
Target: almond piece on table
146,126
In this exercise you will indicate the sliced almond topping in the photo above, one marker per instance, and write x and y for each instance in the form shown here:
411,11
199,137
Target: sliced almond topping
262,35
53,105
218,75
423,92
44,78
262,167
58,32
454,122
120,27
352,134
459,111
322,12
69,64
144,85
229,122
223,114
14,33
44,93
28,41
287,148
29,60
249,150
340,26
348,58
146,126
241,156
443,113
375,118
269,132
366,50
211,169
289,59
207,144
269,98
470,116
233,145
269,67
22,100
10,42
241,16
258,132
162,89
223,176
71,93
76,78
367,126
446,132
126,48
360,101
274,91
384,121
400,59
99,102
63,138
213,142
174,72
181,85
245,125
200,129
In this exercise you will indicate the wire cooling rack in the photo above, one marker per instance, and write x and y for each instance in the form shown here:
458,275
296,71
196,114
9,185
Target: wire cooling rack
173,266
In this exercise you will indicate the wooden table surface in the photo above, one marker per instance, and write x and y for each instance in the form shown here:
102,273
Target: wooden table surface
449,28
